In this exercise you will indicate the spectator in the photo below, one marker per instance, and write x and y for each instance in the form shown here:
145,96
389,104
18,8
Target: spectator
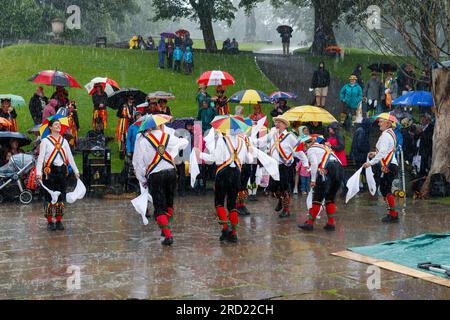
62,96
320,83
37,105
424,82
336,142
221,101
178,41
300,170
358,73
12,150
141,42
177,57
99,100
390,90
426,144
150,45
188,61
351,96
360,143
169,47
153,107
279,108
187,43
226,46
316,128
258,114
134,43
49,110
8,112
161,52
408,133
285,40
163,107
202,95
234,46
132,134
373,93
239,111
206,114
406,79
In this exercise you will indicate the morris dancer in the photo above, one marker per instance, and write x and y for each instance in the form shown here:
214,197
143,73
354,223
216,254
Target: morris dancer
323,160
54,157
99,100
229,153
385,155
153,163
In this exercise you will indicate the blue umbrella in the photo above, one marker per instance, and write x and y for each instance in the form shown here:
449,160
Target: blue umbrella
415,98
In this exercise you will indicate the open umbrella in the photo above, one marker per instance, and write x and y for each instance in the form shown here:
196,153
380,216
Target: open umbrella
182,32
167,34
161,95
6,137
383,67
415,98
152,121
215,78
120,97
282,95
229,124
16,101
44,130
108,85
309,114
55,78
284,29
5,122
249,97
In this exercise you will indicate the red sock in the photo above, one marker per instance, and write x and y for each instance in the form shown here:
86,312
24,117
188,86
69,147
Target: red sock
223,218
49,219
331,210
58,218
170,212
313,212
391,202
234,220
163,223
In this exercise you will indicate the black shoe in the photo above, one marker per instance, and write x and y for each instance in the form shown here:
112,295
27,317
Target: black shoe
225,235
330,227
306,227
59,225
284,214
232,238
167,241
51,226
279,206
252,198
389,219
245,211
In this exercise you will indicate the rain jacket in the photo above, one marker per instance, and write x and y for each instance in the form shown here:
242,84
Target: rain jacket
162,46
337,143
188,55
360,144
206,115
37,105
351,95
177,54
131,137
321,78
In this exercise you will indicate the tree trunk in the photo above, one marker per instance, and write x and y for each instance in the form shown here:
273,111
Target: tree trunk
208,33
440,162
324,18
250,27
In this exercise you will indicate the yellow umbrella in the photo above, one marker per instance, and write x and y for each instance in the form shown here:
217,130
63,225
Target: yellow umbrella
309,114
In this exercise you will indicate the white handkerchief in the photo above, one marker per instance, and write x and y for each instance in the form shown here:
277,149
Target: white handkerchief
140,203
309,199
269,163
193,167
53,194
353,185
77,194
371,181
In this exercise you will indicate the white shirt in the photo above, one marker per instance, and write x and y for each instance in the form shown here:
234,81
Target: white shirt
384,146
222,154
45,150
144,153
287,145
315,155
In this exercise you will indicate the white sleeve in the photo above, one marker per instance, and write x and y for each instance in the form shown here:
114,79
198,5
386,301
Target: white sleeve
41,158
314,165
70,157
138,161
383,151
303,158
248,155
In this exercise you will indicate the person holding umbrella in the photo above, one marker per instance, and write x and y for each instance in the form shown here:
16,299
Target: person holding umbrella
9,113
221,101
99,100
385,156
52,169
125,115
37,105
61,95
202,95
286,35
161,52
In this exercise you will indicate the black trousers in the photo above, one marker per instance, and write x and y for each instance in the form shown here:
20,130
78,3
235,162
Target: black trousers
162,186
327,188
283,184
386,179
56,180
253,169
227,185
246,172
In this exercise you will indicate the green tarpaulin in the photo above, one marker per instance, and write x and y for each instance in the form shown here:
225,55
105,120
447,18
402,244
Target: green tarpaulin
429,247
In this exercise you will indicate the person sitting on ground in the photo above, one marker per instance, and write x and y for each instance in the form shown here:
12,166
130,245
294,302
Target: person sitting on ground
226,46
150,45
234,46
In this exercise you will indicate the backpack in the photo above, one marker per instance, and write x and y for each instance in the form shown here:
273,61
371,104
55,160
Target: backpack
438,185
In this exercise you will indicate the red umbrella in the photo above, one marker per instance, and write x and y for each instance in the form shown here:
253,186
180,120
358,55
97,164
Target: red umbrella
182,32
55,78
108,85
216,78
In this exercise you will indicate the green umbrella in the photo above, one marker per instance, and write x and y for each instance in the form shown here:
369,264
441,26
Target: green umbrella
16,101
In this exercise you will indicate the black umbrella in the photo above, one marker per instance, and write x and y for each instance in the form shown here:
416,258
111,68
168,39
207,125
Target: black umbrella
284,29
7,136
383,67
119,98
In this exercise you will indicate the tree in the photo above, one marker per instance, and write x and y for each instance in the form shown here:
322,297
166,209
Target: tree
203,11
420,24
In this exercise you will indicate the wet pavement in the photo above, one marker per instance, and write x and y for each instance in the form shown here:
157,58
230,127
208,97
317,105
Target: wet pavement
120,258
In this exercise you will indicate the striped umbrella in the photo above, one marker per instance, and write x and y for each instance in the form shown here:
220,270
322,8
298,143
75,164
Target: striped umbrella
249,97
44,130
216,78
161,95
108,85
55,78
152,121
229,124
282,95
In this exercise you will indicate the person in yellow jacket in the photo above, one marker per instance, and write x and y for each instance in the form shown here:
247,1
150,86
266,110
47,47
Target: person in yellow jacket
134,44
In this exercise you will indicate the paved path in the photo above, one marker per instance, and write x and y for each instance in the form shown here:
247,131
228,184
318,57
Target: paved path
121,259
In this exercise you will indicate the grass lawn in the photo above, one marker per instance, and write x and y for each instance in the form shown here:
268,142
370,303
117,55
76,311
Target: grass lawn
130,68
244,46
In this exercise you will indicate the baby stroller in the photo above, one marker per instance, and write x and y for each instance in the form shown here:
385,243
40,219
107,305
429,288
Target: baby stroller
12,176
